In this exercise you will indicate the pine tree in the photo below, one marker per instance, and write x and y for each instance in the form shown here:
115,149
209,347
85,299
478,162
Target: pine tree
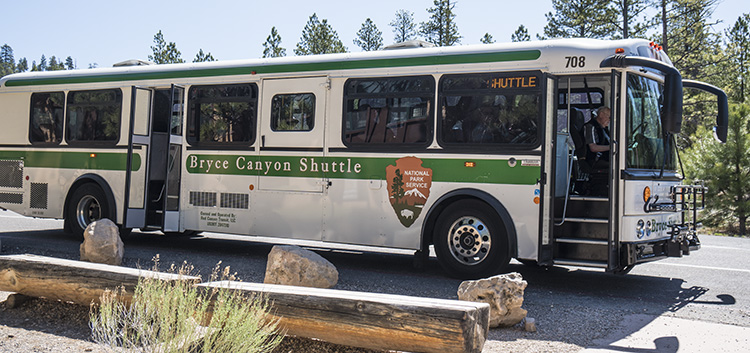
626,22
725,169
54,65
487,39
520,35
441,29
7,61
203,57
369,38
695,50
272,46
738,58
23,65
69,63
163,52
318,37
404,28
580,19
42,64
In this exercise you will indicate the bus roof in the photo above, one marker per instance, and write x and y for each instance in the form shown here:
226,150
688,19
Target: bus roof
544,53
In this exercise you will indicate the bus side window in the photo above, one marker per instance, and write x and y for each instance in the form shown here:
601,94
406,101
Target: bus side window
46,117
94,116
222,114
293,112
388,111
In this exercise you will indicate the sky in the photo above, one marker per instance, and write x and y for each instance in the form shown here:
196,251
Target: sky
105,32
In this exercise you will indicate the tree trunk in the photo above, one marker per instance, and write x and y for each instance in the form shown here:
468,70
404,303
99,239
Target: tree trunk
373,320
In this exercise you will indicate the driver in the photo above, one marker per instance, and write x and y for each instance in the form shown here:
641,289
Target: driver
596,132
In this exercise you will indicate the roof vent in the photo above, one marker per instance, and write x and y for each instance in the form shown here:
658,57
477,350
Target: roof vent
409,44
133,62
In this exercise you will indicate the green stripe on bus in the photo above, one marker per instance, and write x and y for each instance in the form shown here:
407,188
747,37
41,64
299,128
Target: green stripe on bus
73,160
286,68
489,171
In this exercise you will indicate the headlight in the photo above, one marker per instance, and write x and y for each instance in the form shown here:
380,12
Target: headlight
639,229
648,228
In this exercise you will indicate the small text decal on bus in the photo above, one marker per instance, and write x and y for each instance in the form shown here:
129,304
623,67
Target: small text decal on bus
408,188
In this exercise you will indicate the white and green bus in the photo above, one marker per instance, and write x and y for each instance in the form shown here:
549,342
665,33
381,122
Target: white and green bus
475,150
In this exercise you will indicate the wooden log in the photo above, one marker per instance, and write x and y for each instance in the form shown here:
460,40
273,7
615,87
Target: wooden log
72,281
15,300
371,320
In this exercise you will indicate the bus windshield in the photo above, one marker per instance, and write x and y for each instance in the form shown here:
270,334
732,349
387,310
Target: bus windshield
645,139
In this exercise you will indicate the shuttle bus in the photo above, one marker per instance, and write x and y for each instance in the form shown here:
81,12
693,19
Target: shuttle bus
476,150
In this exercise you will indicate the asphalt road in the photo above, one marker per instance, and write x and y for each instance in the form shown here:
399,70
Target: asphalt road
695,297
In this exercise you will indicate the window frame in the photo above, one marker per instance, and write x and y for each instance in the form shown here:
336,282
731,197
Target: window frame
381,147
94,143
494,148
193,140
62,122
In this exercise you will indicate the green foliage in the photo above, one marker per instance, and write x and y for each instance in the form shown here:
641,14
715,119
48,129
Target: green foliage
318,37
725,169
580,19
520,35
695,50
69,63
404,28
163,52
7,61
203,57
487,39
174,316
272,46
738,58
441,29
369,37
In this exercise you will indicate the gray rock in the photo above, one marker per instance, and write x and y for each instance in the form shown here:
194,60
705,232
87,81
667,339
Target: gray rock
102,244
504,294
294,266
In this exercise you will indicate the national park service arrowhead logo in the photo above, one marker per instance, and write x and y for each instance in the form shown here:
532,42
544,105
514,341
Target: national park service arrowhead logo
408,188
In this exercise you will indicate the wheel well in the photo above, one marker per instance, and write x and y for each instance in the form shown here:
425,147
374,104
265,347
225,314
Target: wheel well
93,179
428,227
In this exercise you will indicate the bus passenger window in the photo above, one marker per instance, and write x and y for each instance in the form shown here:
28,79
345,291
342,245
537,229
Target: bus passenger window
293,112
222,114
46,117
490,109
388,111
94,116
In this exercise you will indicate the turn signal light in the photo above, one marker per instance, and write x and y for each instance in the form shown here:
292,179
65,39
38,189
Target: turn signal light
470,164
646,194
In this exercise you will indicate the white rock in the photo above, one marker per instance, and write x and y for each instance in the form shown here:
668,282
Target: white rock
294,266
102,244
504,294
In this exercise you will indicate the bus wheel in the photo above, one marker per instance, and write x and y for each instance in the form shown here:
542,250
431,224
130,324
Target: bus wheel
470,240
87,204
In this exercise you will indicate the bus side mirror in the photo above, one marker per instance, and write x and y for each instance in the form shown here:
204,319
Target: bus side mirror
722,118
671,117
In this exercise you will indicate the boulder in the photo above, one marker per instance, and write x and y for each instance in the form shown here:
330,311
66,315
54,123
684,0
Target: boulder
504,294
102,244
294,266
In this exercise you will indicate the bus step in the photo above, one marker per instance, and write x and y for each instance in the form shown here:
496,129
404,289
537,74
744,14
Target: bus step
581,263
588,198
586,220
582,241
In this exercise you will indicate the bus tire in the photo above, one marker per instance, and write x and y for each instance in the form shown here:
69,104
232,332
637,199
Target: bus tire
470,240
87,204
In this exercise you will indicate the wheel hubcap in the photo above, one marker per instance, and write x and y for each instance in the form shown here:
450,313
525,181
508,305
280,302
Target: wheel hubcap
469,240
88,210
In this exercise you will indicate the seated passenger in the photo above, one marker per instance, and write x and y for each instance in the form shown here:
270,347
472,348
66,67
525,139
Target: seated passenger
596,132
